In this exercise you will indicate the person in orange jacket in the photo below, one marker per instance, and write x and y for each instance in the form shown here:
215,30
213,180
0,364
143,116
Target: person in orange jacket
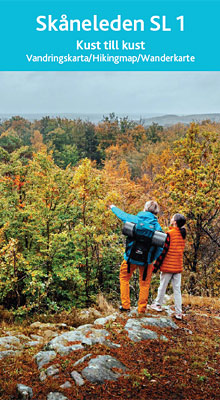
170,263
149,215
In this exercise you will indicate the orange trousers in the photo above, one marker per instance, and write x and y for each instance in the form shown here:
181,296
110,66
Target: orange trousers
143,285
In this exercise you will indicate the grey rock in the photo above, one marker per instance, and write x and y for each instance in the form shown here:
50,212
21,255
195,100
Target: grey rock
24,392
141,334
52,370
110,344
37,337
8,353
84,327
162,322
95,375
86,334
81,360
133,312
133,323
42,376
66,385
137,331
56,396
103,321
164,338
41,325
12,341
65,350
77,378
7,347
44,357
100,369
32,343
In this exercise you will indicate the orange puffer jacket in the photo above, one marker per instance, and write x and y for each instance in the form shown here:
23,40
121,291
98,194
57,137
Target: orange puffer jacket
173,262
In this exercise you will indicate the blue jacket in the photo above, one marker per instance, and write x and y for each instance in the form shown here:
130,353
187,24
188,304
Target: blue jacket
146,216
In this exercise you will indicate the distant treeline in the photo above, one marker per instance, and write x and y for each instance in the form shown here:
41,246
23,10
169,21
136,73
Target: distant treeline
71,140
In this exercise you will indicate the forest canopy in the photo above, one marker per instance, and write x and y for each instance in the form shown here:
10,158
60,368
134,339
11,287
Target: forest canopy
59,242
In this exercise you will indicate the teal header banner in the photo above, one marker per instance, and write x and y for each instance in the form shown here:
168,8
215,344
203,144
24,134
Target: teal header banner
110,36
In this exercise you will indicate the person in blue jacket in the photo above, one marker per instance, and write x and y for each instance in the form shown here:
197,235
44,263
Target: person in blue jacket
149,215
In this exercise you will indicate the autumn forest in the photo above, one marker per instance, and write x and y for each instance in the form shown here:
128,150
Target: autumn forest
60,245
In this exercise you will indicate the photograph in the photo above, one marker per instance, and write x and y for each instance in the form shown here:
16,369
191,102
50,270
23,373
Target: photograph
109,235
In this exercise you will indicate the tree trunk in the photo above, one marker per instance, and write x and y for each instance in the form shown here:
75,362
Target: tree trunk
16,276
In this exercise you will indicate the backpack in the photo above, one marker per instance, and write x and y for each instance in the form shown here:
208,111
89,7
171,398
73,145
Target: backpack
141,237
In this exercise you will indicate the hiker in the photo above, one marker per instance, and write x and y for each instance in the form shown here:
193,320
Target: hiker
148,215
170,263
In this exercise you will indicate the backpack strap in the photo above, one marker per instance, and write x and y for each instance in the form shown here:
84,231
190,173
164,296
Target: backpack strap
129,257
153,254
129,266
145,272
161,258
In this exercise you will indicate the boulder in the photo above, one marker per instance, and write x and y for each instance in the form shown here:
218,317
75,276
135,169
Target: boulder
8,353
86,334
44,357
137,331
79,381
66,385
24,392
52,370
65,350
162,322
100,369
141,334
10,341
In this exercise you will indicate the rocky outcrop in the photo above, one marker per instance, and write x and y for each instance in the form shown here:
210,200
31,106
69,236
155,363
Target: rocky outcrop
97,368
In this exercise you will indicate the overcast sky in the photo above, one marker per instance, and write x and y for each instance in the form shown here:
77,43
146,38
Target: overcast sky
104,92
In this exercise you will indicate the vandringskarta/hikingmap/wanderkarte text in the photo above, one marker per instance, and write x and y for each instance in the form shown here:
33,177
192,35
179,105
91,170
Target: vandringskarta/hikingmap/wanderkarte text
112,59
111,52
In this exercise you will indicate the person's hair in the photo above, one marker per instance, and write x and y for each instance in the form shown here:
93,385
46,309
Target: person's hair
152,207
180,221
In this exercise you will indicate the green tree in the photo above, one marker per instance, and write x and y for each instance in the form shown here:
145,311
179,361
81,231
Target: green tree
153,132
191,186
97,248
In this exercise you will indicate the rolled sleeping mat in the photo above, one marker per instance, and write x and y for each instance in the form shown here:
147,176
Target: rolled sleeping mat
128,229
159,238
